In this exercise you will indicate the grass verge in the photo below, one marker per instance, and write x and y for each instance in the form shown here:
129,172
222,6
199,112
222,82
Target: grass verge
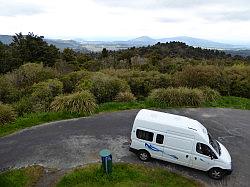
230,102
33,119
39,118
124,175
23,177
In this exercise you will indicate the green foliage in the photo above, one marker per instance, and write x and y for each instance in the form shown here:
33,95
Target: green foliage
209,94
7,114
43,94
28,74
32,48
197,76
81,102
125,97
105,88
23,177
8,92
25,105
239,80
141,82
124,175
176,97
33,119
47,89
68,55
84,84
230,102
72,79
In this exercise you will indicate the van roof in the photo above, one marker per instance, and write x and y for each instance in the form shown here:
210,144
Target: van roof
172,120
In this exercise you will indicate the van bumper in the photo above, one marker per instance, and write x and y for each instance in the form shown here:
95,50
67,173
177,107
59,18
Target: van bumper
228,171
133,150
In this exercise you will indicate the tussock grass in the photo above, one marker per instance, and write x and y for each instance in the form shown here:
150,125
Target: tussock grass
24,177
124,175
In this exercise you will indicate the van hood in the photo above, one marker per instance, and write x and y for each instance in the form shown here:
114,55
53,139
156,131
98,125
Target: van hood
225,156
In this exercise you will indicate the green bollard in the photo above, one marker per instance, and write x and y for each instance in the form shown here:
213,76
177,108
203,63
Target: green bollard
106,160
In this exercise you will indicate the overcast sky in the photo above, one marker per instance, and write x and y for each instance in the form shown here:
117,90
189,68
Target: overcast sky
219,20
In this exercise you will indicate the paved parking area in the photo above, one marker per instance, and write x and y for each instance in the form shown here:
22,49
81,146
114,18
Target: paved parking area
70,143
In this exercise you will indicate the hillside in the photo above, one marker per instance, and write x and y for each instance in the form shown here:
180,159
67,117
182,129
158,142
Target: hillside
96,46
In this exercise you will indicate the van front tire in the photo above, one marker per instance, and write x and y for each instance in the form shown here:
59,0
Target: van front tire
216,173
143,155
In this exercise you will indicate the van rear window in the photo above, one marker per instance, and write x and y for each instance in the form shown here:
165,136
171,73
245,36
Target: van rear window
144,135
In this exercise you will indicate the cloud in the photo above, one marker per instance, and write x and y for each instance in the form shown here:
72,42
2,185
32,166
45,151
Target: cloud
233,16
17,8
170,3
168,20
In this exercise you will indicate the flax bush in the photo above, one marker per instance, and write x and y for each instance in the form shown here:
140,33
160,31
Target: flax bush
177,97
7,114
125,97
80,102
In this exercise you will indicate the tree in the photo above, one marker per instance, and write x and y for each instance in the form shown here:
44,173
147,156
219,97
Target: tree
69,55
7,61
104,53
32,48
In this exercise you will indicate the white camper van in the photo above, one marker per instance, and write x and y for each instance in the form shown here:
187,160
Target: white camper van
179,140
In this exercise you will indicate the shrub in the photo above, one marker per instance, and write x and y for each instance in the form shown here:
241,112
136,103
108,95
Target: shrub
47,89
177,97
197,76
84,84
209,94
24,106
43,93
125,97
30,73
7,114
81,102
71,80
8,93
105,88
142,82
239,80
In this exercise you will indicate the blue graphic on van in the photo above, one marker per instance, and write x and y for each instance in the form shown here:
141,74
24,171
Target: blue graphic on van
152,147
173,156
202,160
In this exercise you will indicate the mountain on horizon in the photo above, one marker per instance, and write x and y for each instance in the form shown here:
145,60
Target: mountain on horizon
83,45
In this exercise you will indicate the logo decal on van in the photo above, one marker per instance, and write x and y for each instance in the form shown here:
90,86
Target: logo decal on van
173,156
152,147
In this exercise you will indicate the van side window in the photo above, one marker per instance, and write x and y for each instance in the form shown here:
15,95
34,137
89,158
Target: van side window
159,139
204,149
144,135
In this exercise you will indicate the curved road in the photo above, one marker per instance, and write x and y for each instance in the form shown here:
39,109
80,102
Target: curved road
71,143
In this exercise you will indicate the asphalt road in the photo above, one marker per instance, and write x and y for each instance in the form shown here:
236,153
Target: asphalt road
70,143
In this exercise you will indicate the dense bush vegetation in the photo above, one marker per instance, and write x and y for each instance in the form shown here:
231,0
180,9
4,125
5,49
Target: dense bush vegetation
177,97
105,88
125,97
80,102
7,114
209,94
171,74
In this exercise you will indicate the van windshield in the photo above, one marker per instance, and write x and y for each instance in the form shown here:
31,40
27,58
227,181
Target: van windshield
214,144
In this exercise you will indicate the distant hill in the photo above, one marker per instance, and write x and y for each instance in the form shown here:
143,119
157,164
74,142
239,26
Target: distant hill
61,44
6,39
83,45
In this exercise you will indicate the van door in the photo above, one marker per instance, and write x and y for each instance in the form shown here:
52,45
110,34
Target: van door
178,149
201,158
151,141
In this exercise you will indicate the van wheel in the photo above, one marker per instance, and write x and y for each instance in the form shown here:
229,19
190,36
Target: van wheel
216,173
144,155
